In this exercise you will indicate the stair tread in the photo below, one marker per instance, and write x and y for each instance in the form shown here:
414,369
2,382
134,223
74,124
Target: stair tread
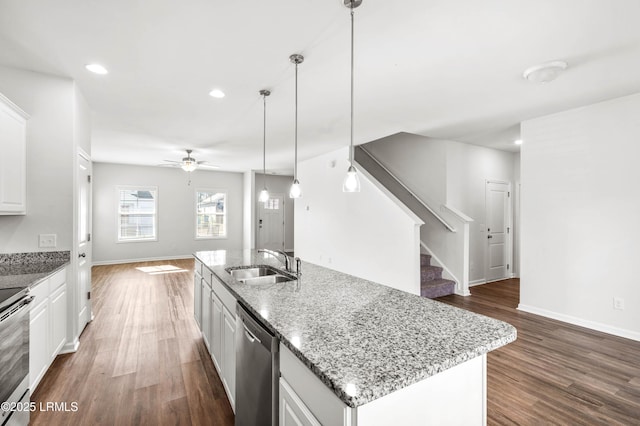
425,259
437,288
434,268
436,283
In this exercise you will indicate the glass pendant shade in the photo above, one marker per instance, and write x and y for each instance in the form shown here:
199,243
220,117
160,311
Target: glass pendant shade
351,181
296,190
264,196
189,165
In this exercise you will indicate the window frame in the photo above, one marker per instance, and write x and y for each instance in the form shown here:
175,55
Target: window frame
120,188
225,214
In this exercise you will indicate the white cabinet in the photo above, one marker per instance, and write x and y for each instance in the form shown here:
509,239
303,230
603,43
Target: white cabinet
293,412
206,314
13,161
216,332
47,325
38,341
197,296
215,308
58,313
436,400
229,355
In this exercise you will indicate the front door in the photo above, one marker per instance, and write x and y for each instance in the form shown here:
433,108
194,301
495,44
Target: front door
498,230
271,223
83,244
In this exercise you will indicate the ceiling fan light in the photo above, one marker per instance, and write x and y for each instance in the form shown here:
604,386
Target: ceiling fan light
189,165
296,190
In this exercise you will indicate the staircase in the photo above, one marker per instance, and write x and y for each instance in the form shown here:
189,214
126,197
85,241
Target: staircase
432,284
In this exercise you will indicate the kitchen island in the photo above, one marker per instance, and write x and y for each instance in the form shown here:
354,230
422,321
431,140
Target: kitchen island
382,353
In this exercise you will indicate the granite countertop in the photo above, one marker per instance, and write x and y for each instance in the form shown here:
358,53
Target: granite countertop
19,270
354,332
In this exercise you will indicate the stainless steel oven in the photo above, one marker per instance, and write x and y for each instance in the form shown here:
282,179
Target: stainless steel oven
14,355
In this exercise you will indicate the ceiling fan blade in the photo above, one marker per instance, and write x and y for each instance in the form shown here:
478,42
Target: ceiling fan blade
172,161
208,166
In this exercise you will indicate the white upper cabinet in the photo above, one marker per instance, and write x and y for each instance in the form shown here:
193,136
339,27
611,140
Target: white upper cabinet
13,158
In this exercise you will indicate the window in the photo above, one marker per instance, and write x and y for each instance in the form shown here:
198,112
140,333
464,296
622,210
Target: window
137,214
211,214
272,204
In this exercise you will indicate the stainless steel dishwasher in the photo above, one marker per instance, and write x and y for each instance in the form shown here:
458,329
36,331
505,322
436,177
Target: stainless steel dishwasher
257,371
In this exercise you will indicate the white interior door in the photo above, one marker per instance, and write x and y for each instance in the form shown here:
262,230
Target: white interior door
271,223
83,246
498,228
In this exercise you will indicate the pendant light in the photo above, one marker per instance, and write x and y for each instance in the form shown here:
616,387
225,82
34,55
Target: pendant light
351,181
264,194
296,190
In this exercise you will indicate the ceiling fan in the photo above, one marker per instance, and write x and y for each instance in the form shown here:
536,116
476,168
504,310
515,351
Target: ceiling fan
189,164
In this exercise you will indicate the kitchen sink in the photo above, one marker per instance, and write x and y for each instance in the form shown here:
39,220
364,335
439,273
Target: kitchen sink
260,275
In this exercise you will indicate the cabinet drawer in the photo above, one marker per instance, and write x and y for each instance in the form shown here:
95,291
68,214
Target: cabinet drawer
57,279
40,291
225,296
198,267
323,404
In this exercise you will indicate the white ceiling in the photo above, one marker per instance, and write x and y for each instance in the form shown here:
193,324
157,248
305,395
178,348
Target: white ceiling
446,69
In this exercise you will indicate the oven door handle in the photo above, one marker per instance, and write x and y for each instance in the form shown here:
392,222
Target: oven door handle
24,303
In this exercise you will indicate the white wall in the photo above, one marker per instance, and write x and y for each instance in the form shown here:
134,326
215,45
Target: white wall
580,209
50,160
277,184
176,211
419,162
363,234
468,169
452,173
249,211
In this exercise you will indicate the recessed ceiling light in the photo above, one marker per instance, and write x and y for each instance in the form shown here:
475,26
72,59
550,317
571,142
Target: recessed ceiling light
97,69
518,142
544,73
217,93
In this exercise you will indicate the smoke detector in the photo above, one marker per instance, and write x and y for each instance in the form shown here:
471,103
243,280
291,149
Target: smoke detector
544,73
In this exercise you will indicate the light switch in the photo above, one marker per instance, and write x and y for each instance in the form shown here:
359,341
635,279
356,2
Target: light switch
47,240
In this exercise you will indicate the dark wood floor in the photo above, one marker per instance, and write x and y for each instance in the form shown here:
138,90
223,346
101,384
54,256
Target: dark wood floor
554,373
142,361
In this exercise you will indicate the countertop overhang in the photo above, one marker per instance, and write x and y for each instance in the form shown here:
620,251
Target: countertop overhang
22,270
363,340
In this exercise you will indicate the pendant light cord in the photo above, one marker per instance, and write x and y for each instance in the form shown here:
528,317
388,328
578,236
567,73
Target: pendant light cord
295,164
351,145
264,142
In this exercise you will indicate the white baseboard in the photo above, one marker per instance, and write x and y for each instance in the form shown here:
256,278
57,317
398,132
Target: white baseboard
477,282
70,347
142,259
620,332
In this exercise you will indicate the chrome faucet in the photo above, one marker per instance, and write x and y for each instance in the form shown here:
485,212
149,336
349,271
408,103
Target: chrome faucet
287,259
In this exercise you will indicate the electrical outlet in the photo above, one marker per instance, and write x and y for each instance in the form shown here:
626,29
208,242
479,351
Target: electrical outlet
47,240
618,303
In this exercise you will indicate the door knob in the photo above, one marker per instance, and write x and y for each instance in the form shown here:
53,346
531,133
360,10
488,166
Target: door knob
82,255
489,236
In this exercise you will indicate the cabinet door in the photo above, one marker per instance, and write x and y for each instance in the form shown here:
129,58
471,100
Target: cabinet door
13,178
293,412
206,314
229,355
197,299
216,331
38,343
58,320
